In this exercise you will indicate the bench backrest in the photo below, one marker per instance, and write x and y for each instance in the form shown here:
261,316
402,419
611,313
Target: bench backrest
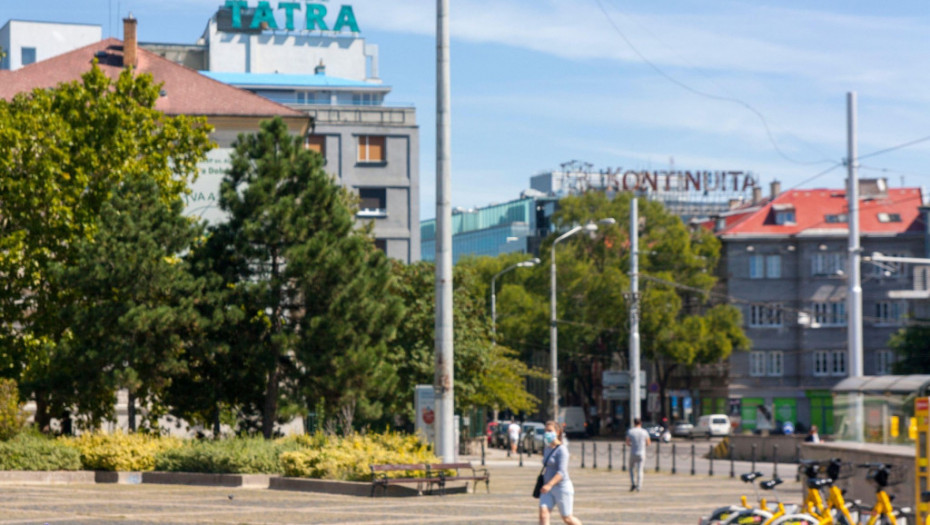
449,466
388,468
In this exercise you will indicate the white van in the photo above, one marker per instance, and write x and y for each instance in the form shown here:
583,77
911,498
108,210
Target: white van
573,417
712,425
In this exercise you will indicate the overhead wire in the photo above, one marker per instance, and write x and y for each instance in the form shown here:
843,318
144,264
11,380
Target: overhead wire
733,100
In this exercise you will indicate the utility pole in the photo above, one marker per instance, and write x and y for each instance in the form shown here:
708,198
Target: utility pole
635,402
854,293
444,380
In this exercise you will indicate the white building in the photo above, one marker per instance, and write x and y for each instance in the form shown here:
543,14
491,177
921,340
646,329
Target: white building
26,42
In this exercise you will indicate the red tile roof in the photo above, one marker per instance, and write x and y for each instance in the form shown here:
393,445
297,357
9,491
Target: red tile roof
811,208
187,92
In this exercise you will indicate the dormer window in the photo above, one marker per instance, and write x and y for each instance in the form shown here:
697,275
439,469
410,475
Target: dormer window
836,218
784,214
889,217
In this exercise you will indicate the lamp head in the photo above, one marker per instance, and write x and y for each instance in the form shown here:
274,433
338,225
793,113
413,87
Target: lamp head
607,221
526,264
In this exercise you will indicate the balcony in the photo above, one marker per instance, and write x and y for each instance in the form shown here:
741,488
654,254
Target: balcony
375,115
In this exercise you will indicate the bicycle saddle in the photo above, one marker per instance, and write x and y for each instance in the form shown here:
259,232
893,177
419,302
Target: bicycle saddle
750,476
815,483
771,484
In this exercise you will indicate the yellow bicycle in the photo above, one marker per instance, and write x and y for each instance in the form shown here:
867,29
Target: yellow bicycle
882,513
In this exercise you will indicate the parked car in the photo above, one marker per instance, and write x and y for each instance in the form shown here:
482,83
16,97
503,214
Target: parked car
682,429
655,432
574,421
489,430
531,437
499,438
711,425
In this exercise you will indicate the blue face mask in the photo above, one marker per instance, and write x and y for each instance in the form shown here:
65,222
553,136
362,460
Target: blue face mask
549,437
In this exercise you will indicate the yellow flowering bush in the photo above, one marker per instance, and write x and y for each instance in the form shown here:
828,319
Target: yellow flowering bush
121,452
331,457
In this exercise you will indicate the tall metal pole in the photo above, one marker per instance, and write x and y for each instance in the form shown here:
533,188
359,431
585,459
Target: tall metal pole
854,294
494,310
445,392
635,402
553,340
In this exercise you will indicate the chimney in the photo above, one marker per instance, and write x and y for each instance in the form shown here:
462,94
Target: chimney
320,69
130,43
776,189
756,195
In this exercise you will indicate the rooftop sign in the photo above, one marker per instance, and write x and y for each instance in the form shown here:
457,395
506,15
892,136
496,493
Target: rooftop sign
618,179
313,20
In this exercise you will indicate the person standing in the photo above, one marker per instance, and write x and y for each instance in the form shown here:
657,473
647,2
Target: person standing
557,489
513,432
813,436
638,439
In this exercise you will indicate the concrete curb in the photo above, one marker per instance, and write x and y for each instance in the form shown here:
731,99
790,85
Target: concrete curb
250,481
351,488
53,477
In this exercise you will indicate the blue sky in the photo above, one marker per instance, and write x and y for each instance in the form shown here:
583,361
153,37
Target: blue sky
636,84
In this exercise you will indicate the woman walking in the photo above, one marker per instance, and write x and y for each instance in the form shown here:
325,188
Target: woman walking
557,488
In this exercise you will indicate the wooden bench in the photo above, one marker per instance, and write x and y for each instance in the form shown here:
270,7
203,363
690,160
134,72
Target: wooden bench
460,473
428,475
380,476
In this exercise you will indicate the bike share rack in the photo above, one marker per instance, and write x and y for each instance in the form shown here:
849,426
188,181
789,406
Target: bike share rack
921,467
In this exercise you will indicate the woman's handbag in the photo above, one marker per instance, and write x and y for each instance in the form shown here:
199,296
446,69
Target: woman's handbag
539,479
539,484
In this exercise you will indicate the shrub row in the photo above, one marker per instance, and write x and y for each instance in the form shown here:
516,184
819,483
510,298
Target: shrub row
312,456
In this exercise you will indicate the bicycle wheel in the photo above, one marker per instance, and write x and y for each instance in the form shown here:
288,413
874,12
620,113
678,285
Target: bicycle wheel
749,517
796,519
721,514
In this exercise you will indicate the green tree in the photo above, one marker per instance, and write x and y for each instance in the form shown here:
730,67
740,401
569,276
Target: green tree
132,308
679,325
307,287
912,347
486,374
63,152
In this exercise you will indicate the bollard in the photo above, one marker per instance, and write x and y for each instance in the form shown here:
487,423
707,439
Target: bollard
692,458
582,454
520,450
623,458
533,451
732,471
753,457
710,456
674,469
594,452
482,452
658,455
610,456
775,461
797,459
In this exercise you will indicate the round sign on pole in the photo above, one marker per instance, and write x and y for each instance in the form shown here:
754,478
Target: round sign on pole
428,416
653,387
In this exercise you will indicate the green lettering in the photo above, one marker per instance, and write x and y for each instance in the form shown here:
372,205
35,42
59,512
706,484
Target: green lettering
289,8
346,18
263,14
315,14
236,7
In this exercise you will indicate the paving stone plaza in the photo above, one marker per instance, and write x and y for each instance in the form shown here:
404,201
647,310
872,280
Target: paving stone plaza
602,497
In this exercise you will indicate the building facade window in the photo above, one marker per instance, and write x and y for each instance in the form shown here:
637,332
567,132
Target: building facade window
371,149
372,202
765,266
765,315
28,55
888,312
316,143
884,362
828,264
829,363
832,313
838,362
766,364
381,244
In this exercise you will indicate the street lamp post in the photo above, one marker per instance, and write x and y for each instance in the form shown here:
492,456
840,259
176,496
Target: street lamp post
553,328
524,264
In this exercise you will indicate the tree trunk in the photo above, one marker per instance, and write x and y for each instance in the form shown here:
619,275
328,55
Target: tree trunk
270,413
43,419
131,411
